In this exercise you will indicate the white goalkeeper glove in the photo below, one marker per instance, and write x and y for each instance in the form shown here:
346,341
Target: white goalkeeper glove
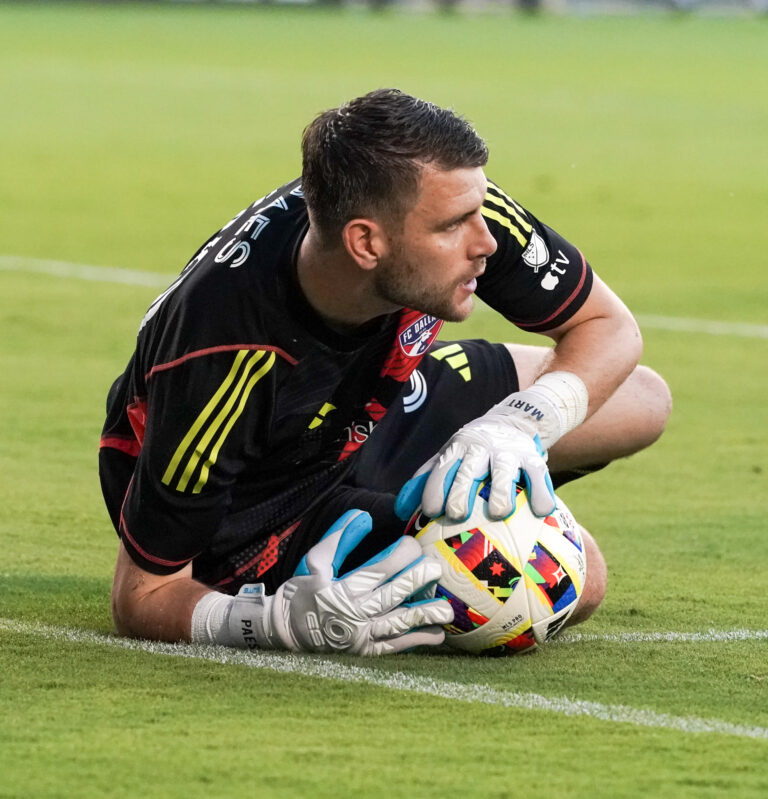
509,442
365,612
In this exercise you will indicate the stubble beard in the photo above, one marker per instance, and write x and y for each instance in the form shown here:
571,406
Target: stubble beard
398,281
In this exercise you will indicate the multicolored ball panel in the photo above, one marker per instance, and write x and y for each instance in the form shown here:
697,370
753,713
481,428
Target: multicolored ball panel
548,575
521,642
465,618
480,555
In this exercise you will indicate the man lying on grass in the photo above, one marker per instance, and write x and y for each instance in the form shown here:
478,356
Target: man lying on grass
288,403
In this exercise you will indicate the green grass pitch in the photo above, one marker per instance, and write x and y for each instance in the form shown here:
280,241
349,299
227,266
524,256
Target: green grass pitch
128,134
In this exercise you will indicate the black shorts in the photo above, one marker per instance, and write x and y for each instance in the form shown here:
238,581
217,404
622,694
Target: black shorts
457,382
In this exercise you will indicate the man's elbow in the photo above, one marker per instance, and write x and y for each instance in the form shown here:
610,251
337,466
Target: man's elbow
124,606
120,617
152,606
131,586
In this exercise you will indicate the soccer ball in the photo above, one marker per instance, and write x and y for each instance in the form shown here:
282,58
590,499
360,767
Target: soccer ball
513,582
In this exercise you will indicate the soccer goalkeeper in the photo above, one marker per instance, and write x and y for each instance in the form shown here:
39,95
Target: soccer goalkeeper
288,402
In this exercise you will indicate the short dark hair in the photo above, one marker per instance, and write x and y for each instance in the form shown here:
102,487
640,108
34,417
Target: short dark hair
365,157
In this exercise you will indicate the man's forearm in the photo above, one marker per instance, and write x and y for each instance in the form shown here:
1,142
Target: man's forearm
600,354
602,346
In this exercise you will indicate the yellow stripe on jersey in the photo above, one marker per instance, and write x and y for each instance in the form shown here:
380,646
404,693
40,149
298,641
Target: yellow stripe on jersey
230,423
201,419
508,224
492,187
228,392
449,349
460,363
320,418
205,440
456,358
514,212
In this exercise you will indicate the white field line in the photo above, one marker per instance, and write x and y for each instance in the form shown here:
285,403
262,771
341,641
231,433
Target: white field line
708,636
132,277
99,274
711,327
321,668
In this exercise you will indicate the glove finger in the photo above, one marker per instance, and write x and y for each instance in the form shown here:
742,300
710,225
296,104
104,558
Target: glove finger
409,497
441,478
378,570
410,494
473,469
412,579
326,557
426,636
355,530
411,615
538,483
503,496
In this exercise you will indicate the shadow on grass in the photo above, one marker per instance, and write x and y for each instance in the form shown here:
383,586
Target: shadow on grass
66,600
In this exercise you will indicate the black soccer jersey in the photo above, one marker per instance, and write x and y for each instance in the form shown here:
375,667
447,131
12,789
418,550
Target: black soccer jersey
239,403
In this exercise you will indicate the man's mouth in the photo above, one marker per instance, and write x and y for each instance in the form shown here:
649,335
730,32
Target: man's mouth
471,284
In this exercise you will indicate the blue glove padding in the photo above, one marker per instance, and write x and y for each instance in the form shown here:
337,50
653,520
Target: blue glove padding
355,526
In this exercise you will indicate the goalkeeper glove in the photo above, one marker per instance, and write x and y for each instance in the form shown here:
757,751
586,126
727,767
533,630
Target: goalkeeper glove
509,443
364,612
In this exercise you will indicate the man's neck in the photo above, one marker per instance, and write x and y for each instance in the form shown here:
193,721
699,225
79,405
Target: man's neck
338,290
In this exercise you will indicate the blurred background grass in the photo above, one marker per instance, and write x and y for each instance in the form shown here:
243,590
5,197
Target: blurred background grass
131,132
134,131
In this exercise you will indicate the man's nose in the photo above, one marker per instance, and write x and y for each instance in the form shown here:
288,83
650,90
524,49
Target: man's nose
483,243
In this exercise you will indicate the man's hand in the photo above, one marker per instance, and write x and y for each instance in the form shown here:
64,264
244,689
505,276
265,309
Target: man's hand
508,443
447,483
365,612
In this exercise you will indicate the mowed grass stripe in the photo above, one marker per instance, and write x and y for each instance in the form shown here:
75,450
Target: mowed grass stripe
133,277
321,668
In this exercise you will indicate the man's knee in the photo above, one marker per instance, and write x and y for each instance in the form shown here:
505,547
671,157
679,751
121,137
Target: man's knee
653,393
596,583
644,394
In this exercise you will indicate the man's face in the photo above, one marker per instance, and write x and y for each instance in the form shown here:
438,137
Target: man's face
434,260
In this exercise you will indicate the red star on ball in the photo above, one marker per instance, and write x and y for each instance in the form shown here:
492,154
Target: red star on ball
497,569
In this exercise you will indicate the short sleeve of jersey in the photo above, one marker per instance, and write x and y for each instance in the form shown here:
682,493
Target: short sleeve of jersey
207,366
203,413
536,278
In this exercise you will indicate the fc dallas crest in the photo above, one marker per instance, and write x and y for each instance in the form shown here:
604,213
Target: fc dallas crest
415,333
419,334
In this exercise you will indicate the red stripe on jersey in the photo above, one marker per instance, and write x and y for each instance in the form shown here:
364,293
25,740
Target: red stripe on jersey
375,410
130,446
137,416
266,558
570,299
162,367
349,448
144,554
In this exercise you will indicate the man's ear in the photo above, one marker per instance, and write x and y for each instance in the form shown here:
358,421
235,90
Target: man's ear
365,242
